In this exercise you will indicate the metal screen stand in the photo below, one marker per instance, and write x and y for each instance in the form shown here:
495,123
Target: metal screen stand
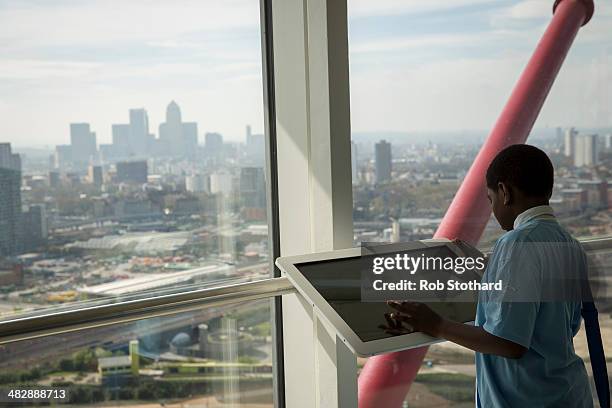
335,368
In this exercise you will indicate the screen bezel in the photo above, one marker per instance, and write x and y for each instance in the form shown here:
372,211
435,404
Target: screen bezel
327,313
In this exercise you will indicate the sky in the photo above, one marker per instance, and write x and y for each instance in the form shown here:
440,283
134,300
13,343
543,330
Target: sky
415,65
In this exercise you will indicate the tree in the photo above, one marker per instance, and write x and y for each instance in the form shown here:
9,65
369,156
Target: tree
66,365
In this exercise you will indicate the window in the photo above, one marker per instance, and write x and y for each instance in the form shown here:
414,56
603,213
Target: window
428,80
211,357
132,153
133,164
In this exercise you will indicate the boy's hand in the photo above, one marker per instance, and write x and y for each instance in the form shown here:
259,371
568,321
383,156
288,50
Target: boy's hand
394,326
417,316
421,318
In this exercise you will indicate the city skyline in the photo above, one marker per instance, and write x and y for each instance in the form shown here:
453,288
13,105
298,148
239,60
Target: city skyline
82,139
471,51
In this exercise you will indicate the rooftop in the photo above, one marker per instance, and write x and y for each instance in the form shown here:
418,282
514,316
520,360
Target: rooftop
110,362
154,281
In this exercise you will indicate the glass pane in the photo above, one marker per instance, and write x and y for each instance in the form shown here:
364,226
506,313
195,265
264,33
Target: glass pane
132,152
428,81
216,357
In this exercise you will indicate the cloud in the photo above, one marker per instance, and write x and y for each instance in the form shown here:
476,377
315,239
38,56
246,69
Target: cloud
522,15
89,22
79,60
400,87
529,9
410,42
83,60
445,95
439,43
363,8
469,93
28,69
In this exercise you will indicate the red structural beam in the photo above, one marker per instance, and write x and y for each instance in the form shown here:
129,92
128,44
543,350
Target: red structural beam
386,379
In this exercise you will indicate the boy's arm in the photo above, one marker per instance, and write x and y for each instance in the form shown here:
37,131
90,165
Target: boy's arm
422,318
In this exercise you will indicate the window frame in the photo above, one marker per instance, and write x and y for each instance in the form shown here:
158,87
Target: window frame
29,326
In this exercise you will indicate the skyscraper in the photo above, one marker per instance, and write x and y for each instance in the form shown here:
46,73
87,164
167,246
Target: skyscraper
586,150
121,140
62,156
34,227
252,187
132,172
255,147
139,132
248,133
83,144
54,179
383,161
10,201
570,142
95,176
197,183
559,136
190,138
221,183
213,143
179,138
8,159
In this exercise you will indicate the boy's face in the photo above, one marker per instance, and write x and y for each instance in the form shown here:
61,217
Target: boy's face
500,204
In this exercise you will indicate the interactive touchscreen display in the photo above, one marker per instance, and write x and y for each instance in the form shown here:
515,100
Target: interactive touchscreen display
339,283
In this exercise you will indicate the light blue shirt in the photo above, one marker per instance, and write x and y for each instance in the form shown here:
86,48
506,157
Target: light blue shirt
549,374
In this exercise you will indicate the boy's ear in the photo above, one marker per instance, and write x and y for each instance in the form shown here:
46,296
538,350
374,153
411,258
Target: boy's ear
506,193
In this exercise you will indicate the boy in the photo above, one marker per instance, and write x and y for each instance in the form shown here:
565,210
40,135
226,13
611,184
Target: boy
524,346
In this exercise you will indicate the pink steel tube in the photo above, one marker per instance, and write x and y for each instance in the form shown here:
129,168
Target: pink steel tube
386,379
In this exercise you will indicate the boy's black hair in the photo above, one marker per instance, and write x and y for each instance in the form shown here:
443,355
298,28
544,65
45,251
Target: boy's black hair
524,167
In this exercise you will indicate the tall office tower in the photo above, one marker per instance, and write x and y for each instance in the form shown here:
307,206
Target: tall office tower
35,228
107,153
253,187
354,169
256,149
95,176
132,172
180,138
121,140
10,201
570,142
197,183
586,151
559,136
221,183
608,141
83,144
213,143
383,161
170,132
8,159
139,132
54,179
63,156
190,138
248,133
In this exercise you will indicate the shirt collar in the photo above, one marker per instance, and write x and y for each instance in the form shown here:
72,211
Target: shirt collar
540,211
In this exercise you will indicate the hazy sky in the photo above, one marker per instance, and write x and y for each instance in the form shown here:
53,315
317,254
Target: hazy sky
421,65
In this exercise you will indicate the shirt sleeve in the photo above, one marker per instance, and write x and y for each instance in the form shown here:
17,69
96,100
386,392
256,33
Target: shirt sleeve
512,314
513,321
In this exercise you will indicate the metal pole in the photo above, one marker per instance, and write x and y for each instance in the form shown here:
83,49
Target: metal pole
91,315
385,380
